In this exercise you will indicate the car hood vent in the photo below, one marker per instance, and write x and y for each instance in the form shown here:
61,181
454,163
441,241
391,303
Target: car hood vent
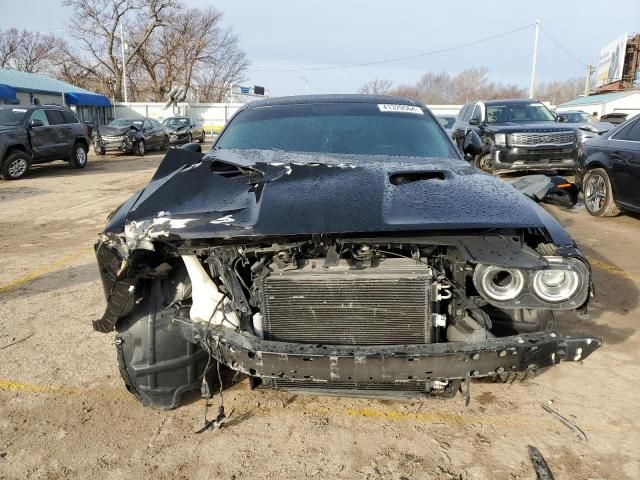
409,177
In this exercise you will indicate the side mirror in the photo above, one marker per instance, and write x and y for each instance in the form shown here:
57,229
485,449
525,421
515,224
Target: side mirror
474,121
35,123
192,147
472,144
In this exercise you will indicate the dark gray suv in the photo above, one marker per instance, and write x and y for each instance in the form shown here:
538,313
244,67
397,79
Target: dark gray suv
39,134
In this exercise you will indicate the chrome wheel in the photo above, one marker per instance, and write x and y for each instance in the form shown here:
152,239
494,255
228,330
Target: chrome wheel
140,148
81,156
595,192
18,167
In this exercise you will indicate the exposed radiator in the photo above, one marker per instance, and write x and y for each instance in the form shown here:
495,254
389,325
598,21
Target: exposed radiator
384,305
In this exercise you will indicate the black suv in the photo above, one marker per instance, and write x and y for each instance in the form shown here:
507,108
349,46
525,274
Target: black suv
39,134
517,135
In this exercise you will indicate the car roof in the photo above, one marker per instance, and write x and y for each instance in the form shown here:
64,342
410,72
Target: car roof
334,98
514,101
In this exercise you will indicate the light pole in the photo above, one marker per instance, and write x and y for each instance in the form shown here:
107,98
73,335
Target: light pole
306,83
532,85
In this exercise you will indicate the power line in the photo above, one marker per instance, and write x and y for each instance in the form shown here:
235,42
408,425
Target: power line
400,59
559,45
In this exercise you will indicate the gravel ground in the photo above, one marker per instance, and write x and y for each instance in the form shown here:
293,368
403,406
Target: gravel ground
64,412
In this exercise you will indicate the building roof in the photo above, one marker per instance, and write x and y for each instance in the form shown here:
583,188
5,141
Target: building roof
597,99
33,82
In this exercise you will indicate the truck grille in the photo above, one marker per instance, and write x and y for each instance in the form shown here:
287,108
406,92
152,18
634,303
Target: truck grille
384,305
542,138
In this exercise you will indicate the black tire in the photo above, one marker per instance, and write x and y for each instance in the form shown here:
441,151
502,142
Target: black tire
15,166
190,138
598,194
202,137
78,157
97,150
165,144
157,364
139,148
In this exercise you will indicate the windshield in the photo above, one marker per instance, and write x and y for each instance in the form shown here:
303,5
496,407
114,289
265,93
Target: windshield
345,128
176,122
10,117
447,122
576,118
519,113
126,122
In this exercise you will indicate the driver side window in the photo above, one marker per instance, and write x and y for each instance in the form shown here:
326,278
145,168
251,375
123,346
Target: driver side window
147,125
477,114
40,115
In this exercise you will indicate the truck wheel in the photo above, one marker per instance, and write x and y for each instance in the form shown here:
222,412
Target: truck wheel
598,195
483,162
15,165
98,150
78,156
157,364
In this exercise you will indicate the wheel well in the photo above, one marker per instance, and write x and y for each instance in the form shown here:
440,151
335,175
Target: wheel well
82,142
14,148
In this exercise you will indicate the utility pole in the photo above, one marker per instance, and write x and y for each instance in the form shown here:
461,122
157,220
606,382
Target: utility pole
532,85
587,81
124,66
306,83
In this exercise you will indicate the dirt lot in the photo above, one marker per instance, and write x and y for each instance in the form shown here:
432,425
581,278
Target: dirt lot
64,412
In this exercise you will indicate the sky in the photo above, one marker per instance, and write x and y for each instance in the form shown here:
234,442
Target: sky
302,34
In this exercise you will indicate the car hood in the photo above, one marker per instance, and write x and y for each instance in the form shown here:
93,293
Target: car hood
109,130
181,129
509,127
266,193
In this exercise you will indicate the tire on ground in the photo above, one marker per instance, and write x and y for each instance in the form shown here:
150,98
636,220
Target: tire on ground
76,159
609,208
15,165
157,364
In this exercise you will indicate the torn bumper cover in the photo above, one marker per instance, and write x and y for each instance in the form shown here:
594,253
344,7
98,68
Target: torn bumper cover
395,363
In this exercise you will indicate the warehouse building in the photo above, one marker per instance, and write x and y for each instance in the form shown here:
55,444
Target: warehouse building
21,88
616,102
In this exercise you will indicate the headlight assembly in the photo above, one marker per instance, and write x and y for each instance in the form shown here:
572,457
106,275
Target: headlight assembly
563,284
500,139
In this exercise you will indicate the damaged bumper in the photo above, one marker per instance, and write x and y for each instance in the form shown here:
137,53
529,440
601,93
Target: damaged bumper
396,364
522,158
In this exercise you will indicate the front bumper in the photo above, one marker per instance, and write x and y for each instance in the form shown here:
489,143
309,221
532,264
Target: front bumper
121,145
395,364
534,158
178,139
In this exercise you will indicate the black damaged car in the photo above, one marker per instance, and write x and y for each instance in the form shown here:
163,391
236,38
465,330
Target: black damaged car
335,244
183,130
130,135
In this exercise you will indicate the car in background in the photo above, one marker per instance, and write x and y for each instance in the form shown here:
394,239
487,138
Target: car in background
588,125
335,244
130,135
616,118
447,122
183,130
608,171
39,134
517,135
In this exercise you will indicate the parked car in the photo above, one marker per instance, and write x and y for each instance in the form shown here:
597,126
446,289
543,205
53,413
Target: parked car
130,135
588,125
183,130
616,118
447,122
517,135
335,244
39,134
609,171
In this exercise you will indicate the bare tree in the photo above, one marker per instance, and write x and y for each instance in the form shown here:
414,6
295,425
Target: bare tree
30,52
558,92
96,57
376,87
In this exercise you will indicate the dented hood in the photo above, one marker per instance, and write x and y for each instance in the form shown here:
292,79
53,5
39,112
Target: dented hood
258,193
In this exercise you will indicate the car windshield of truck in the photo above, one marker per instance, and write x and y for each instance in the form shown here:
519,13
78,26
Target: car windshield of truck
124,122
577,118
519,113
176,122
10,117
343,128
447,122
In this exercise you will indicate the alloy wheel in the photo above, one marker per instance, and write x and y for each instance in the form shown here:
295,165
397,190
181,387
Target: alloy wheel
81,156
595,192
18,167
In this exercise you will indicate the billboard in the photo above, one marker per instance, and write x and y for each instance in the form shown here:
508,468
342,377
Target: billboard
611,62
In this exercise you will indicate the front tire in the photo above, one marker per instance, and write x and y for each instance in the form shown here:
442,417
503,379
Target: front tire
78,156
598,194
190,138
139,148
483,162
15,166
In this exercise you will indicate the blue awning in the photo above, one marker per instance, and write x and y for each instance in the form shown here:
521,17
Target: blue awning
90,99
7,92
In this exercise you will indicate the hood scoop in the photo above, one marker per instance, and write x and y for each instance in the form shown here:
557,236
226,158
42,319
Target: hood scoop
410,177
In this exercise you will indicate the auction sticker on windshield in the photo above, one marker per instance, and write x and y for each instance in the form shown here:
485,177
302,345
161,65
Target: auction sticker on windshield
389,107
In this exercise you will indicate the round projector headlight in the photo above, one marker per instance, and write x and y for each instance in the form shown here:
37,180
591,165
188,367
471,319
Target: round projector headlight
556,285
500,284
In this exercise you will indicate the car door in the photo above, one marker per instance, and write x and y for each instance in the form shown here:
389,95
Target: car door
459,128
150,135
43,138
65,137
624,158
